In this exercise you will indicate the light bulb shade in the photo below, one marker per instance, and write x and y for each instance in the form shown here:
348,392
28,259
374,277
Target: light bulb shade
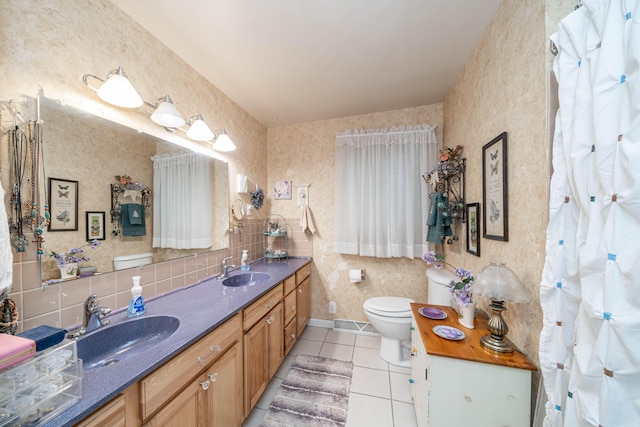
198,130
118,90
499,283
223,143
167,115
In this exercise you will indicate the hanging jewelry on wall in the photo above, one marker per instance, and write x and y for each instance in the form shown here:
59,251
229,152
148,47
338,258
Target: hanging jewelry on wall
25,154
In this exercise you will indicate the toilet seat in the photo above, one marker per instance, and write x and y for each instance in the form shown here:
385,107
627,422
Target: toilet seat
389,306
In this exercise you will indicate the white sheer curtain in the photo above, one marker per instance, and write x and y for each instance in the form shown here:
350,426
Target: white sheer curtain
380,196
182,201
590,289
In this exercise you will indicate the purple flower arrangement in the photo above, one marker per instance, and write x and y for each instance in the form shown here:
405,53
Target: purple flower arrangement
460,287
74,254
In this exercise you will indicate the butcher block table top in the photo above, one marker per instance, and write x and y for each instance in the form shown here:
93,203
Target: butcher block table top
468,348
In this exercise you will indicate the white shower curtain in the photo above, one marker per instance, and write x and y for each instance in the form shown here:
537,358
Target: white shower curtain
590,289
380,208
182,201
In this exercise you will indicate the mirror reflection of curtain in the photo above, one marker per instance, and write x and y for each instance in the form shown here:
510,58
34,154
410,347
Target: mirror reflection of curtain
590,292
380,197
182,202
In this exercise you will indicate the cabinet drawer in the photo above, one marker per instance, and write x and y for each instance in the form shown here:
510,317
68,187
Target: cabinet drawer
258,309
160,385
303,273
289,284
289,336
289,307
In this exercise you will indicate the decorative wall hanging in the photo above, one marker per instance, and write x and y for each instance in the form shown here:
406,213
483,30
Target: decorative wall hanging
95,226
63,204
494,189
282,190
473,228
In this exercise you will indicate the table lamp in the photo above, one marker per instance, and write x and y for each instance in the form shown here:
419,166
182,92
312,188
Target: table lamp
499,284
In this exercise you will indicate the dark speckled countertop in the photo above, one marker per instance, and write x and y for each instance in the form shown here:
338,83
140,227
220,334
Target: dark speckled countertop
201,308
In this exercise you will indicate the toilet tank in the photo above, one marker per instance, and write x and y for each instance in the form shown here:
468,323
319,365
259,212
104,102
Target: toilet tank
134,260
437,286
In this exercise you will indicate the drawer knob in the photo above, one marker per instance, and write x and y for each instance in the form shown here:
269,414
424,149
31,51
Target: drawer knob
213,377
204,385
213,349
293,307
467,399
293,336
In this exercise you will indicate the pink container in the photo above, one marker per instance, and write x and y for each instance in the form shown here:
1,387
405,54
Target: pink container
14,350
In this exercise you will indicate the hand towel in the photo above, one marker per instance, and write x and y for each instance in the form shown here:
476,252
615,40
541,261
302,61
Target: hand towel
131,196
129,228
135,213
439,220
306,220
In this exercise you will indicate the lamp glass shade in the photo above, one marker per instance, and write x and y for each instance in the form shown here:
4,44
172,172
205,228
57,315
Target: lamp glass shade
223,143
198,130
118,90
499,283
167,115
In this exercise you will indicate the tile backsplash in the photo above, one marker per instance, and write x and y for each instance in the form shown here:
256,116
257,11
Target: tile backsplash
61,304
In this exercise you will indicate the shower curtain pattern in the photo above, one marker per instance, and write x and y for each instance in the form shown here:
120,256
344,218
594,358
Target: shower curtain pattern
590,289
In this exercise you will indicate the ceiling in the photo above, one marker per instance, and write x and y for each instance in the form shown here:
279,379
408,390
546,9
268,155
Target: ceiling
294,61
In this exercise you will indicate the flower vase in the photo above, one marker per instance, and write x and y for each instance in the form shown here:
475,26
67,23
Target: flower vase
69,270
467,314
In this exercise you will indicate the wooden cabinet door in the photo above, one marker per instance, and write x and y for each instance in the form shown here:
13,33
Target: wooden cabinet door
255,363
188,408
275,348
303,304
225,397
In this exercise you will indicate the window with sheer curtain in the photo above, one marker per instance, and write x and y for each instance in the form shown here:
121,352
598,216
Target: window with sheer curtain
380,196
182,201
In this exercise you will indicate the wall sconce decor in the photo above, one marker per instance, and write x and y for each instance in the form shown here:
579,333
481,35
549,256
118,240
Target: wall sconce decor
118,90
499,284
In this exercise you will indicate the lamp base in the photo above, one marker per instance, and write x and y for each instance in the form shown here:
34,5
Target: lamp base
498,328
499,345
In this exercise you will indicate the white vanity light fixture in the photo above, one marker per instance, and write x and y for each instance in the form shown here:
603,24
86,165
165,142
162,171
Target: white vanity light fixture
223,142
116,90
498,283
166,114
198,129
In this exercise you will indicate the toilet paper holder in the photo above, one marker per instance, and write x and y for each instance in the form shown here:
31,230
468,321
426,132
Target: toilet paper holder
356,275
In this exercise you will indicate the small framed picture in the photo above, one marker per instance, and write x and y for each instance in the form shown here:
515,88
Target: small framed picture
63,204
282,190
95,226
495,201
473,228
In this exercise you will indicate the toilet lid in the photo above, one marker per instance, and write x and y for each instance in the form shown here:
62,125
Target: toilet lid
389,305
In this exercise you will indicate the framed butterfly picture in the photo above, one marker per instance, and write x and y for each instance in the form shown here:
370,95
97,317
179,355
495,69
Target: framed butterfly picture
63,205
495,201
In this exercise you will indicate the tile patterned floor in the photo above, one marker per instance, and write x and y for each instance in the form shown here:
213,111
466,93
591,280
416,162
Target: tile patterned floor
379,396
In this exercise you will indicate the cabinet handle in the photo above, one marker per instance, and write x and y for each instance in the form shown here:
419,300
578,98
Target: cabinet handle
213,349
204,385
293,336
300,290
270,319
293,308
213,377
268,304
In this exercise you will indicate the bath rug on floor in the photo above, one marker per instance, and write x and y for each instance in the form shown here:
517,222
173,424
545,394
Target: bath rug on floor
315,393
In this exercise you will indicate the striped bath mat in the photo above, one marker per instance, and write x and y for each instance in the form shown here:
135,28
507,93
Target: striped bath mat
315,393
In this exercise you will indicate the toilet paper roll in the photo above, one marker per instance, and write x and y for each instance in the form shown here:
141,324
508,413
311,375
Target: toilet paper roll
356,275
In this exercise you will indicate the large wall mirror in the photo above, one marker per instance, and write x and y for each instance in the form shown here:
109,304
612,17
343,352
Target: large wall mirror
88,150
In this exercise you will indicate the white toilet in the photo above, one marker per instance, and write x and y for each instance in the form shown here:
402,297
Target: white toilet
391,316
130,261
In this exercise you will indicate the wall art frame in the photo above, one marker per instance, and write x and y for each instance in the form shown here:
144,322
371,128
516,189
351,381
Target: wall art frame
282,190
95,225
495,201
473,228
63,204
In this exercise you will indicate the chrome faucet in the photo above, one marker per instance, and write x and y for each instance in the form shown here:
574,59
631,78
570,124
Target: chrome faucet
93,316
225,267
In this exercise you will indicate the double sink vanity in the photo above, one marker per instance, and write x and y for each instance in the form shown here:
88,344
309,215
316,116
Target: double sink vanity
202,355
